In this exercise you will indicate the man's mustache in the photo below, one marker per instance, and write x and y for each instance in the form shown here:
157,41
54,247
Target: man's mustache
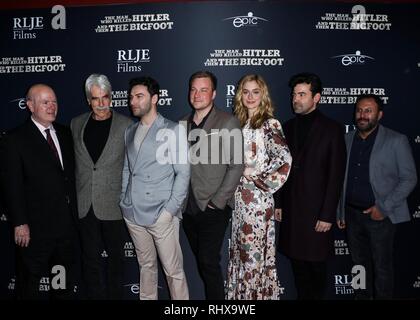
102,108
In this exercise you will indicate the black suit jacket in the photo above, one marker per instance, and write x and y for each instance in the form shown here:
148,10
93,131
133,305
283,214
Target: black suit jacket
312,190
37,190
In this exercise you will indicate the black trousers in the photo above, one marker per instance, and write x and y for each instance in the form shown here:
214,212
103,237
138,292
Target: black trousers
103,278
48,268
205,232
310,279
371,245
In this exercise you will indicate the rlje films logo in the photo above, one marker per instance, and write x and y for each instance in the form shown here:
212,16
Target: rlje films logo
346,284
120,98
244,57
245,21
135,22
230,95
417,139
3,217
349,95
130,60
356,58
26,28
359,19
36,64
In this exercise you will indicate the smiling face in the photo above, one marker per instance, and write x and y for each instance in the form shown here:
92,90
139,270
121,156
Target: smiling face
367,116
202,93
251,96
100,101
42,103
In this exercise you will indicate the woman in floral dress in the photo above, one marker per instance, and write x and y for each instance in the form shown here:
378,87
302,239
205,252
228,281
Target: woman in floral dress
252,270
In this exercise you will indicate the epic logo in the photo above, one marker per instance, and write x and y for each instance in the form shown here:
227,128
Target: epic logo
245,21
356,58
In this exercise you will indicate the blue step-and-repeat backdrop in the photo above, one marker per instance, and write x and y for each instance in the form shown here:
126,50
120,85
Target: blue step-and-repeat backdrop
370,48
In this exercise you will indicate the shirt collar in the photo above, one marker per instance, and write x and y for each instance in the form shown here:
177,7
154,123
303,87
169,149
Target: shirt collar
41,127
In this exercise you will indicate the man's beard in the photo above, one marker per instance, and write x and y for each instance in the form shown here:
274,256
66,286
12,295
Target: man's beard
141,112
371,124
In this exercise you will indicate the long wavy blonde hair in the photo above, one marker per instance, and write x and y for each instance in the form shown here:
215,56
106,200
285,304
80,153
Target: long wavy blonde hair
265,109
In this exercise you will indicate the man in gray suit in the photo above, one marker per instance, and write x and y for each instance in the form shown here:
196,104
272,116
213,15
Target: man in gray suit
213,182
155,184
380,175
98,138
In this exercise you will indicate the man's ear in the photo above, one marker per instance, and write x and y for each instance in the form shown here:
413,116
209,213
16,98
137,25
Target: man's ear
30,105
155,99
317,98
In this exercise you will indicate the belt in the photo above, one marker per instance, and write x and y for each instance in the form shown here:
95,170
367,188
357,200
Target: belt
354,207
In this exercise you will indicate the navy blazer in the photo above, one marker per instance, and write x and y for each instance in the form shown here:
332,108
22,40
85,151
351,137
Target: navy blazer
37,190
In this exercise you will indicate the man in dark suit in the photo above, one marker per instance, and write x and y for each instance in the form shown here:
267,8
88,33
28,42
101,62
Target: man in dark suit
213,182
39,192
98,137
307,202
380,175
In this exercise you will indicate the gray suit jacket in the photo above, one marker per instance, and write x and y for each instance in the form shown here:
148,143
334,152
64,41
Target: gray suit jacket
217,182
99,184
157,176
392,174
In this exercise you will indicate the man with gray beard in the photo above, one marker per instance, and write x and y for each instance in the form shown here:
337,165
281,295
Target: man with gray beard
99,150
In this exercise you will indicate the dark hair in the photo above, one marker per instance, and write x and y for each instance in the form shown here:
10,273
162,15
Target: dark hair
151,84
375,97
204,74
309,78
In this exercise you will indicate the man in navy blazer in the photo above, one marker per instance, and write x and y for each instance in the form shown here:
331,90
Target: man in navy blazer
380,174
155,183
37,174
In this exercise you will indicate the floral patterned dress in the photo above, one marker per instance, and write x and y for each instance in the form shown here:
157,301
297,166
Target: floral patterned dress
252,270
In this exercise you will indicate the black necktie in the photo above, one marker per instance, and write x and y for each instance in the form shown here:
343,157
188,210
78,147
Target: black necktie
52,144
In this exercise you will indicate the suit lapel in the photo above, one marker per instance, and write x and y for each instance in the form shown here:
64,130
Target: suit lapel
208,126
211,120
148,139
377,146
86,154
39,139
109,143
63,147
131,150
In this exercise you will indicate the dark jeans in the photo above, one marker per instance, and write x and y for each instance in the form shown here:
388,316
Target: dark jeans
310,279
371,245
205,232
97,235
